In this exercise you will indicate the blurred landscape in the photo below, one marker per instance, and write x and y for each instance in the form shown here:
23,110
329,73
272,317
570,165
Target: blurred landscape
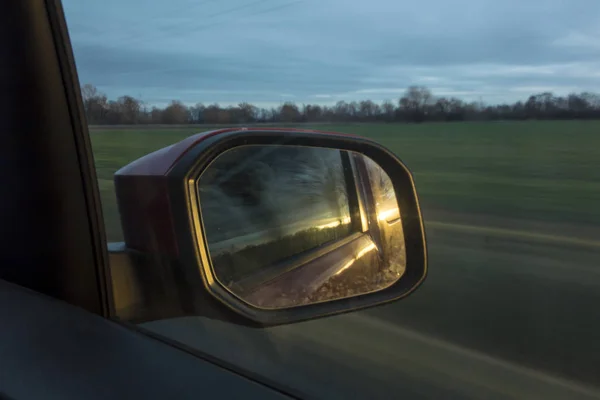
493,105
537,171
512,219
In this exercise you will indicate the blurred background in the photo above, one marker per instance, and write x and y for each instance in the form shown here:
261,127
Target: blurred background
492,105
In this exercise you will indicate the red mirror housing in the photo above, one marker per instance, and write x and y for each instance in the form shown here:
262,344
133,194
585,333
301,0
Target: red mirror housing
162,226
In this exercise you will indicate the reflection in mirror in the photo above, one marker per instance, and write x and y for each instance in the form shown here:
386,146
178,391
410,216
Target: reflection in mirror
288,225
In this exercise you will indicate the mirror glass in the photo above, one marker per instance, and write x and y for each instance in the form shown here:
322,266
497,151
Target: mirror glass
287,226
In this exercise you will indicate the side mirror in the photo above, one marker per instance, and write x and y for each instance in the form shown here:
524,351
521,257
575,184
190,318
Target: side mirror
276,225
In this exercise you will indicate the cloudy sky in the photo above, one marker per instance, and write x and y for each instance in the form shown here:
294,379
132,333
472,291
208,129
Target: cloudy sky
322,51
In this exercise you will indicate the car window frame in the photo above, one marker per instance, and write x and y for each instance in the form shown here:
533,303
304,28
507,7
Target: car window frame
48,163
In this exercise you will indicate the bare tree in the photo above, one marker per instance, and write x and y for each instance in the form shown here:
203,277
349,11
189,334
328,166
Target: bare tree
197,113
95,104
130,109
175,113
289,112
415,103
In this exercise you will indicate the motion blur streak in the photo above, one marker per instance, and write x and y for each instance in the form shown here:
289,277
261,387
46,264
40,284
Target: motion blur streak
514,233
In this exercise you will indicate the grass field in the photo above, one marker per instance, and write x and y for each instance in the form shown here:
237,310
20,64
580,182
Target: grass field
512,217
546,171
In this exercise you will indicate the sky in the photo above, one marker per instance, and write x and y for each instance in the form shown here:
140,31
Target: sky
322,51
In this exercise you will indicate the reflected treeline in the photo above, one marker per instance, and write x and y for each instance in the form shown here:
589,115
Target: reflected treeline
266,203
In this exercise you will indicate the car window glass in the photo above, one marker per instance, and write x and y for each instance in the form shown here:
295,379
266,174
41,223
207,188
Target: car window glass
494,107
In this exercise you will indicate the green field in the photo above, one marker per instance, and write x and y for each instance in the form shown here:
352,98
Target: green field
512,217
540,171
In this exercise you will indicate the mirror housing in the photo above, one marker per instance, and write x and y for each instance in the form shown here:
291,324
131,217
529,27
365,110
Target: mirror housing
160,214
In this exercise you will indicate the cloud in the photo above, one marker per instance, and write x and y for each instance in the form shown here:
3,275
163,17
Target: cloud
262,50
579,40
381,90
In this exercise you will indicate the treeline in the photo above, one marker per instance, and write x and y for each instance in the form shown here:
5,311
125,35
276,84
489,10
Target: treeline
418,104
